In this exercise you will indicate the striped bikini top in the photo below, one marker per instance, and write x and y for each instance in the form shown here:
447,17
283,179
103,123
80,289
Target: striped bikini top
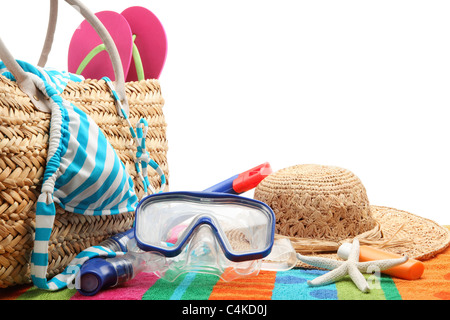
83,173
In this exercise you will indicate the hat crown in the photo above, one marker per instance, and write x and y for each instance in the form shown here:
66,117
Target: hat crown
317,202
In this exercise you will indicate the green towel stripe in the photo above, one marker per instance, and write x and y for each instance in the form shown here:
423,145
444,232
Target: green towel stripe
35,293
390,289
162,289
182,287
201,287
347,290
197,288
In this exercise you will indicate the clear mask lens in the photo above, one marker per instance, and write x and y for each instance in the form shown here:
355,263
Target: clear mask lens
242,228
213,233
204,255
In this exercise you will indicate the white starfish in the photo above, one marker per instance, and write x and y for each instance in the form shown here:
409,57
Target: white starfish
351,266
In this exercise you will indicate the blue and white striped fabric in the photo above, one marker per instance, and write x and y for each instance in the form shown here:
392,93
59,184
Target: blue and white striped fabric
83,173
143,159
57,80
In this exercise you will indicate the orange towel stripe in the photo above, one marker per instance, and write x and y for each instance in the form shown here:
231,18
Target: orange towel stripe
252,288
434,283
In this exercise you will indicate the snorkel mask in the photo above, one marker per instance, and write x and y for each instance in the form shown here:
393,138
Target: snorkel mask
215,233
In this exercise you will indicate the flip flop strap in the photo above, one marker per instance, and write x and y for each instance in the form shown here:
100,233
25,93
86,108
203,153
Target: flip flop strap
101,47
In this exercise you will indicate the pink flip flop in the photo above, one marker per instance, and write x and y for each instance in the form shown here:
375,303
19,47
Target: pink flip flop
149,46
87,55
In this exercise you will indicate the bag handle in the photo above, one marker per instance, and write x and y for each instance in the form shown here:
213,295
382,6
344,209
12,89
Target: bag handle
25,82
51,28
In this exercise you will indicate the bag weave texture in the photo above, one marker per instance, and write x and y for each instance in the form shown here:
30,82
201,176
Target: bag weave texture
24,133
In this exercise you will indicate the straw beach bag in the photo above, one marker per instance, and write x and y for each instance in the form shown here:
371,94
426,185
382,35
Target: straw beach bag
24,140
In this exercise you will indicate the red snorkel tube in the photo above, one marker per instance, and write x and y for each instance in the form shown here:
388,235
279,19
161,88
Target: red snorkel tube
242,182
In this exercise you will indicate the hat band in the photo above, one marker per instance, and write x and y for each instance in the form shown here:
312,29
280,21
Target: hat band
373,237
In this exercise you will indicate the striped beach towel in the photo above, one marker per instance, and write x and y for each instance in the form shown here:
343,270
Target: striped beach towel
83,174
268,285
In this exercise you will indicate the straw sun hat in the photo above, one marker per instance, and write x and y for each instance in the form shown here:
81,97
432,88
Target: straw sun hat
320,207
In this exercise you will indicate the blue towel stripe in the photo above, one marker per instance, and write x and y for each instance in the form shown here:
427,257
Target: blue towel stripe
292,285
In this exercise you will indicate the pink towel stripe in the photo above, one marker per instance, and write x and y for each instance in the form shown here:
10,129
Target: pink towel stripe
131,290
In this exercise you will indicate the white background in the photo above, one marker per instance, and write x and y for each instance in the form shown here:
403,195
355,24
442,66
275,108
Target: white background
363,85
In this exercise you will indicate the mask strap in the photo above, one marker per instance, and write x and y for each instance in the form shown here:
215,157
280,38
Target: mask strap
143,159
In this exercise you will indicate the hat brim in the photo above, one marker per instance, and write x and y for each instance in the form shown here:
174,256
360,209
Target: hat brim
424,237
421,238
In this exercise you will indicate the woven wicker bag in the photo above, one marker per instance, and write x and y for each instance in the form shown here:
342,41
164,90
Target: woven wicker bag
24,132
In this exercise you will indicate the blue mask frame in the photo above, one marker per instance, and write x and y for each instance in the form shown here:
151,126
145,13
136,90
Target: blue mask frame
205,219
